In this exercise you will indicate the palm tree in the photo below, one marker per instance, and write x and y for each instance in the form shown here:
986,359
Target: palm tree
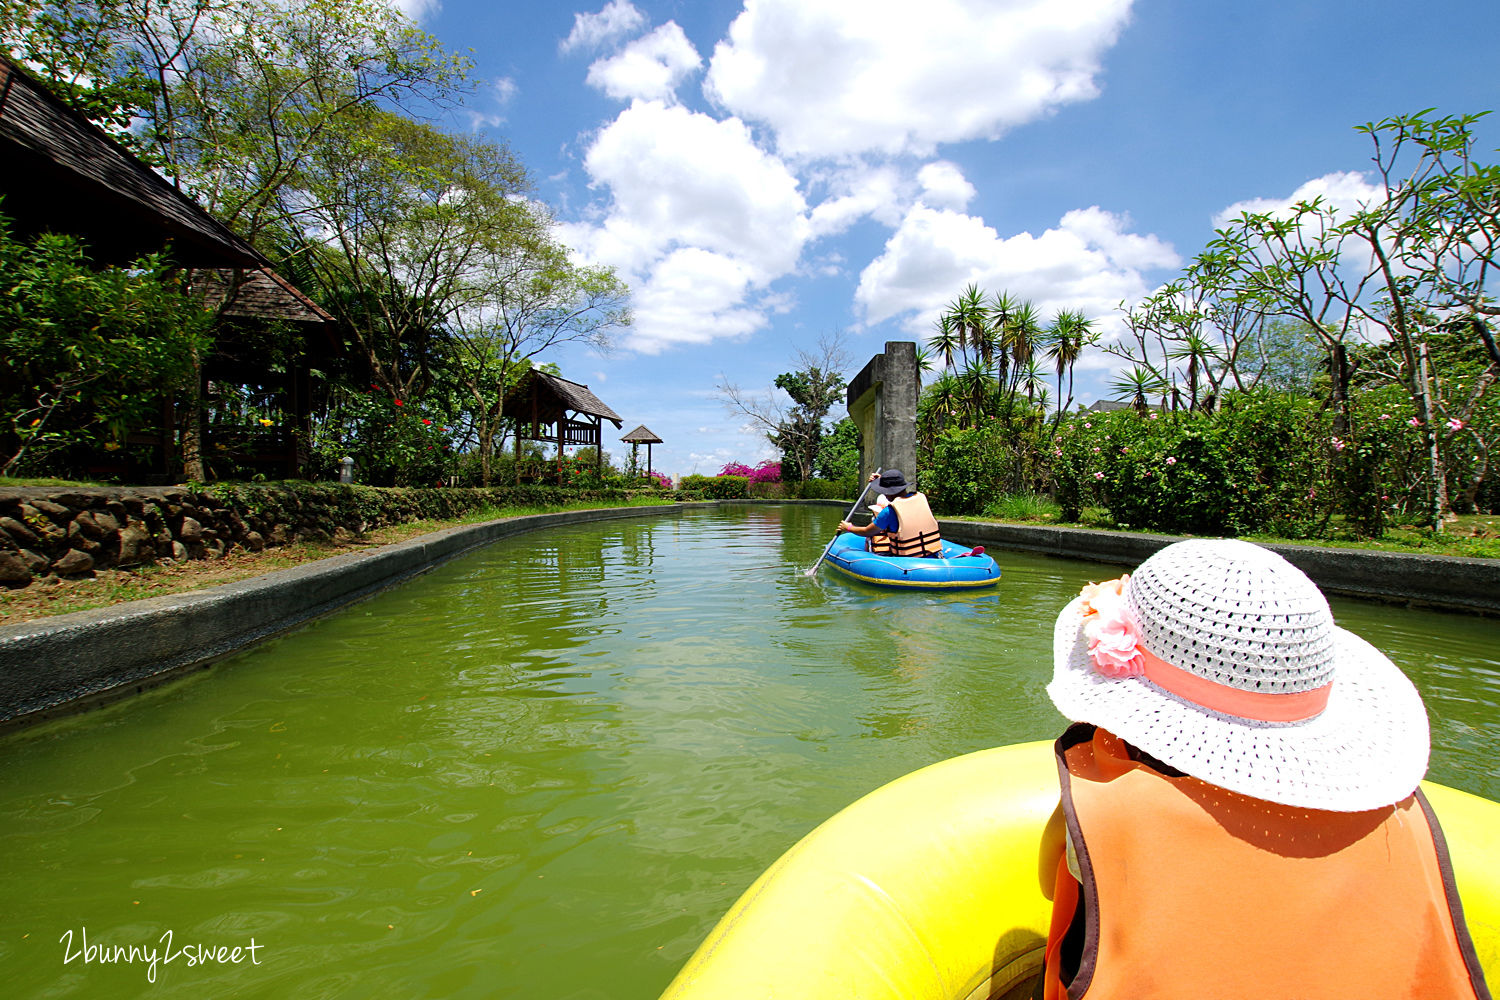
1002,311
1197,351
969,315
1138,383
941,402
976,386
1031,377
946,340
1071,331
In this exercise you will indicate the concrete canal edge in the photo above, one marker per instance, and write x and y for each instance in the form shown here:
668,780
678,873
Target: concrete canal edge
1449,582
68,663
61,665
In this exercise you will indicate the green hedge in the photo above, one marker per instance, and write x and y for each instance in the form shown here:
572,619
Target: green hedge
366,507
718,487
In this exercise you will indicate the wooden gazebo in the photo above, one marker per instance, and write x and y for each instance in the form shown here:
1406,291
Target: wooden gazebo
642,435
551,408
59,172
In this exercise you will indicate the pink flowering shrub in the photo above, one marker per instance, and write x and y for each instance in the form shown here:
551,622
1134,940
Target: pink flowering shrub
768,471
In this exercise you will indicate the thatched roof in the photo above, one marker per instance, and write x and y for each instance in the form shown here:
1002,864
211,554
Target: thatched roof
641,435
561,393
257,294
60,172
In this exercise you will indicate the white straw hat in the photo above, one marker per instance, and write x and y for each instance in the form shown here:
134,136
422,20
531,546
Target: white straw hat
1221,659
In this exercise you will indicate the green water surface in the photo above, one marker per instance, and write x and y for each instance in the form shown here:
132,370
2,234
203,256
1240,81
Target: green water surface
543,771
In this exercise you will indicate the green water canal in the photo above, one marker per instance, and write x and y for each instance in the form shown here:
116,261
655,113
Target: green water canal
543,771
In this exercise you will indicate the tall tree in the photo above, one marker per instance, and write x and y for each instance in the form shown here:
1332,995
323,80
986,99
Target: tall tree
813,388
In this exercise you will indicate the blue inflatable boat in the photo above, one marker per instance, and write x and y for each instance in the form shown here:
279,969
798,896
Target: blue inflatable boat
956,568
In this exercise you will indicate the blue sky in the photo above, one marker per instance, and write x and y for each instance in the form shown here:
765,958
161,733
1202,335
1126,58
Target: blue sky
768,171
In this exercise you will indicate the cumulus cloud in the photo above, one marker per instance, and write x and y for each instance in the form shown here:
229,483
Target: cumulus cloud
944,186
617,19
1346,191
1088,261
649,68
832,78
698,219
693,296
855,193
417,10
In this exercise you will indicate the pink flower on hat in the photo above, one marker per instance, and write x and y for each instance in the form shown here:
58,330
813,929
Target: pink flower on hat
1114,635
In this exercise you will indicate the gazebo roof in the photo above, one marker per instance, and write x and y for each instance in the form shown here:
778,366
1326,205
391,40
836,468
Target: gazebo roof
63,173
641,435
258,294
571,395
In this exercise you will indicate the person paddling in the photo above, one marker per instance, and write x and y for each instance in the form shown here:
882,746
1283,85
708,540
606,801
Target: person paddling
1240,796
905,526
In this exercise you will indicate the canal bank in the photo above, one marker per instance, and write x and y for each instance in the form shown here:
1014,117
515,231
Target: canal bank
57,666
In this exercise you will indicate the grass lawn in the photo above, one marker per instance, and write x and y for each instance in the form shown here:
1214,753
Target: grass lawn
116,586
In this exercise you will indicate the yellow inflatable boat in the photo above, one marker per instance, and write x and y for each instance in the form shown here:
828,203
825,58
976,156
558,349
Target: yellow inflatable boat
932,888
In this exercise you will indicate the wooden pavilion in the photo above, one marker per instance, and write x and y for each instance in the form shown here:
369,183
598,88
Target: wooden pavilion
642,435
551,408
59,172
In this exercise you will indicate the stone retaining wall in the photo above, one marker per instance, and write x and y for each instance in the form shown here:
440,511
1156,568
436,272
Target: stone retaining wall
46,535
74,532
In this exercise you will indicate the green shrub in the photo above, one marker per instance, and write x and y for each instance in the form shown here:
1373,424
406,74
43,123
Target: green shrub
1260,462
845,488
1024,507
718,487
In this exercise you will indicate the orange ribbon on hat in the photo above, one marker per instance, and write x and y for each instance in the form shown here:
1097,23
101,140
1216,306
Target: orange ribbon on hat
1263,706
1116,651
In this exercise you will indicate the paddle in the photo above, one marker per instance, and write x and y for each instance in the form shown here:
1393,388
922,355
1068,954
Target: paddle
814,568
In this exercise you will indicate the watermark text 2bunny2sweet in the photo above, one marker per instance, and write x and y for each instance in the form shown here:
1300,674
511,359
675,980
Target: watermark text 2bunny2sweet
160,952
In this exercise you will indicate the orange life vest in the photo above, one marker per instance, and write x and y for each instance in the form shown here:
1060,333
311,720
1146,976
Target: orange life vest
918,531
1189,890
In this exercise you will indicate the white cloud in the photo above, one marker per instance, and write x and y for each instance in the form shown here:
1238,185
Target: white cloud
693,296
1346,191
1087,262
417,10
944,186
649,68
833,78
617,19
502,92
699,220
856,192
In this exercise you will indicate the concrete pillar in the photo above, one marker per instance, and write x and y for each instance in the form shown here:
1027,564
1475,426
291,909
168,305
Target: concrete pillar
882,402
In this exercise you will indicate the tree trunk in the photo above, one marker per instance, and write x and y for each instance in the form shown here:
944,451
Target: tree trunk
1437,475
192,426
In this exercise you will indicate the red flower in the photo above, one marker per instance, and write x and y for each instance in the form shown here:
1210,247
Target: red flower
426,421
399,403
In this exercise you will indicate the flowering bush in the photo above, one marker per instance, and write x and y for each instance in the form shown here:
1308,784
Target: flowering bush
394,440
766,472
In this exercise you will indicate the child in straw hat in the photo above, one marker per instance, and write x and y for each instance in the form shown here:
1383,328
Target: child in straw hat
1240,796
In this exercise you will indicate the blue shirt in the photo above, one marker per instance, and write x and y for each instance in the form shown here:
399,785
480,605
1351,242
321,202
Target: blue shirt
887,520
